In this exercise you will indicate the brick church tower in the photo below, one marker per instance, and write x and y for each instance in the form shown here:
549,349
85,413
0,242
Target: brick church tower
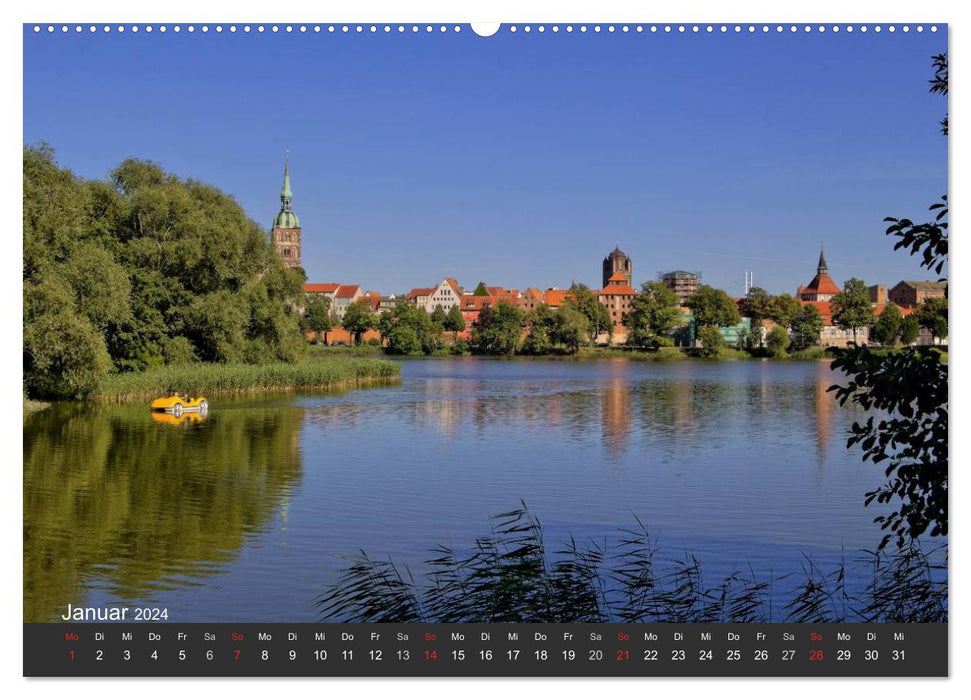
286,232
617,261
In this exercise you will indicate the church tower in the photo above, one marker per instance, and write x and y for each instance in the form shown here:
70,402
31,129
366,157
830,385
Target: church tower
286,226
617,262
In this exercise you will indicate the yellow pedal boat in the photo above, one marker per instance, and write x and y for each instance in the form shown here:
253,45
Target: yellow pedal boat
177,405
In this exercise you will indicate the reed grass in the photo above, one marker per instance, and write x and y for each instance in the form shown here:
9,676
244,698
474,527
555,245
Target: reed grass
508,576
217,379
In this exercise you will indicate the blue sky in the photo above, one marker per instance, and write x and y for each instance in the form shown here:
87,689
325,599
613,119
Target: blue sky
523,159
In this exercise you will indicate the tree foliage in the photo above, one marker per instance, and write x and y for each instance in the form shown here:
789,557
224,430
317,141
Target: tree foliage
908,390
851,307
758,305
586,302
713,307
317,317
932,315
886,330
784,309
498,329
572,328
359,319
806,326
654,315
909,330
541,322
151,269
712,341
777,341
454,321
409,330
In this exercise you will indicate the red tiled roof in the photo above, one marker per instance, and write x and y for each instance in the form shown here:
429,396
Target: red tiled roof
470,302
821,284
824,310
556,297
617,290
420,292
535,293
880,308
617,277
347,291
453,283
328,288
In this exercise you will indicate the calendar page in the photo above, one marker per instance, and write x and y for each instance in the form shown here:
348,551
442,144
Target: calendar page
554,349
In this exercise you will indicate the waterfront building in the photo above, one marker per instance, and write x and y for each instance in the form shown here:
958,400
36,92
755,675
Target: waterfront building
530,299
374,298
446,294
286,234
618,296
554,298
833,334
419,296
345,295
471,306
682,283
908,294
328,289
341,295
821,287
615,263
388,302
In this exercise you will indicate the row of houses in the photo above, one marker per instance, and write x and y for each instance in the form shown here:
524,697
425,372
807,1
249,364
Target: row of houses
617,295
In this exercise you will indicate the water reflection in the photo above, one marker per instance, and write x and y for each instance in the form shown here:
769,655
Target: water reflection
115,499
245,515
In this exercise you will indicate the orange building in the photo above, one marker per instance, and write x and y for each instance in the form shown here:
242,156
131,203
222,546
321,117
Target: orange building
821,287
618,297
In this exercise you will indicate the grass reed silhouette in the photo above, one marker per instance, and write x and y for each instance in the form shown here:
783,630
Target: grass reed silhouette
507,576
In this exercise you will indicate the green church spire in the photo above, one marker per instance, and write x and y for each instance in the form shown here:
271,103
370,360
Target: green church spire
287,194
286,218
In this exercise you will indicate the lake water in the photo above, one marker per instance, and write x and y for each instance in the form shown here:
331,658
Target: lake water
248,515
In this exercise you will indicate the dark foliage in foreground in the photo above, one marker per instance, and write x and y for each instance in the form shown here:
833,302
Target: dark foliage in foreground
508,576
910,388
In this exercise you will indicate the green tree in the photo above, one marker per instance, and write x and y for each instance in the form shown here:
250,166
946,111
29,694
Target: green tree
64,356
498,329
909,330
572,328
150,262
712,341
932,315
481,290
713,307
886,330
317,316
408,330
784,309
358,319
654,315
851,308
438,316
758,305
777,341
907,390
454,321
541,322
806,326
588,303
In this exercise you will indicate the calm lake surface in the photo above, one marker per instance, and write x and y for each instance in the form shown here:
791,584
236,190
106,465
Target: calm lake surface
248,515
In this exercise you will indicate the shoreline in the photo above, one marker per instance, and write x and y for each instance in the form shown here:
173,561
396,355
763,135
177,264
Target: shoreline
214,380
